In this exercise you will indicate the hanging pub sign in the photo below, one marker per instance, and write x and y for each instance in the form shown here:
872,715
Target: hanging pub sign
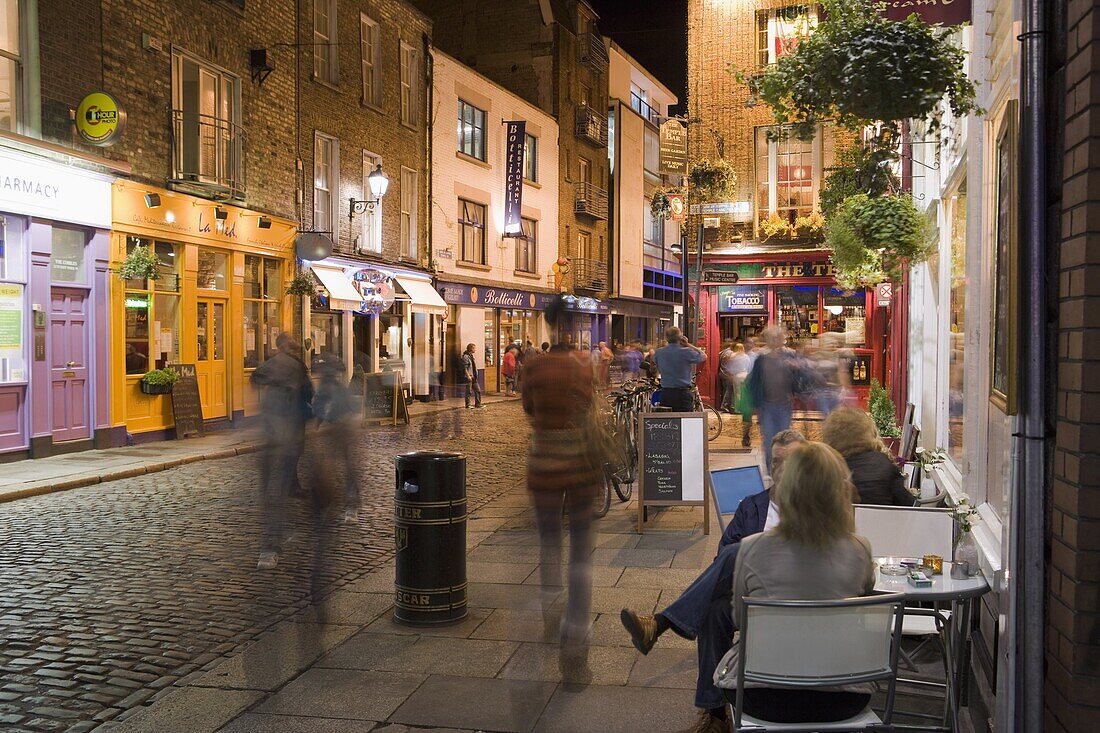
944,12
513,180
99,119
672,148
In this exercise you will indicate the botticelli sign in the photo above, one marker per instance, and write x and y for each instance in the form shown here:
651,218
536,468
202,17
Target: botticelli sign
946,12
99,119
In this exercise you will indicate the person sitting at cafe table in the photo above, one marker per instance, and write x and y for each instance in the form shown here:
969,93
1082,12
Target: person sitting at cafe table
703,611
812,554
875,475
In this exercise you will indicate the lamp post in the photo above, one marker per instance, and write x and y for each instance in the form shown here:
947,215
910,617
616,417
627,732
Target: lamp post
378,184
680,249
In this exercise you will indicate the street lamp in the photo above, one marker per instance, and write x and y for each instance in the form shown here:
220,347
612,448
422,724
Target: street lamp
378,183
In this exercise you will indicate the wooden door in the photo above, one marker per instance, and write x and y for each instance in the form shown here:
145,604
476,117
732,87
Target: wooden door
69,364
210,367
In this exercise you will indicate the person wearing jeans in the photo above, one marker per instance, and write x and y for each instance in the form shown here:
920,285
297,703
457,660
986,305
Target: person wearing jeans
771,384
469,373
676,363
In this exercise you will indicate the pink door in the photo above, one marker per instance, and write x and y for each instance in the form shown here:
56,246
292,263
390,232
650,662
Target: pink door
69,364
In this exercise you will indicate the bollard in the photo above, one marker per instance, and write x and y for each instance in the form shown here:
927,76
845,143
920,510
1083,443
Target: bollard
429,520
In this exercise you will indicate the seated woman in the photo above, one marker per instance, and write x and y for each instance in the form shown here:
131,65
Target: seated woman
852,434
812,554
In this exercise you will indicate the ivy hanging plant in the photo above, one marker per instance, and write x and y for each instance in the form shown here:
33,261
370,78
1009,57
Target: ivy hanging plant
877,238
712,180
302,284
863,168
140,264
859,67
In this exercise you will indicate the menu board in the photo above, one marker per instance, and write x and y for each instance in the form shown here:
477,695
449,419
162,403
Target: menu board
672,450
186,405
383,399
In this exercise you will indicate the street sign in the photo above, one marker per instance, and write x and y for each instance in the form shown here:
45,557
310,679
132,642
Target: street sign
884,293
672,155
727,277
739,209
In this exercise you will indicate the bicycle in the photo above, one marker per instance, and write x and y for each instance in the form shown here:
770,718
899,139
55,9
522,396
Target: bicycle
628,402
713,416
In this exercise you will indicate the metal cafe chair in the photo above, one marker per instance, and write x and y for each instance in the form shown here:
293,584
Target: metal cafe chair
803,645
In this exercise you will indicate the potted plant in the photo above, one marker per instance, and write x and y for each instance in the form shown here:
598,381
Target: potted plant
966,548
775,226
159,381
660,206
141,263
809,226
881,408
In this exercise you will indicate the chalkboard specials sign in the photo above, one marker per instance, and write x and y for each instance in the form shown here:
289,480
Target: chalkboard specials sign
186,404
672,450
383,400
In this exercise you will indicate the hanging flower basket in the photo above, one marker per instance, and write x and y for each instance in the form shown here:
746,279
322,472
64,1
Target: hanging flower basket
877,238
141,263
302,284
712,180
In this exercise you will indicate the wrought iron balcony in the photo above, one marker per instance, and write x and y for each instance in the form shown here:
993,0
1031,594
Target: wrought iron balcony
592,52
590,200
207,155
591,125
589,274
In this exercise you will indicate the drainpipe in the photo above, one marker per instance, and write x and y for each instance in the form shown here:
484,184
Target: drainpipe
1030,424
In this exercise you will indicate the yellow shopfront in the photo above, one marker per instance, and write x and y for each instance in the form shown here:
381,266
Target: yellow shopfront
218,301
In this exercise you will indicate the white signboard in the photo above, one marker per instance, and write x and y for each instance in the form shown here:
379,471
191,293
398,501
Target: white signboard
740,210
40,187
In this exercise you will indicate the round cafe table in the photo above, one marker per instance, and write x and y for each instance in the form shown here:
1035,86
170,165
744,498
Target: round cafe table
961,594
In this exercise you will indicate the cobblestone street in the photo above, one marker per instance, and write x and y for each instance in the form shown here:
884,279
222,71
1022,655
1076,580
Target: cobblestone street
114,593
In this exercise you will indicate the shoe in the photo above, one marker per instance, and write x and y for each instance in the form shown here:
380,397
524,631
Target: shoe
467,407
643,629
707,723
478,406
267,561
350,515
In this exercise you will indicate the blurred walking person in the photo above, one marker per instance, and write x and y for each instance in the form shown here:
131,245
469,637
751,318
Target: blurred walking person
772,386
285,396
335,412
469,374
508,368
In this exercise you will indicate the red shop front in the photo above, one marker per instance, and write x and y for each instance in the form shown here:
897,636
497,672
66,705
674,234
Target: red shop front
741,295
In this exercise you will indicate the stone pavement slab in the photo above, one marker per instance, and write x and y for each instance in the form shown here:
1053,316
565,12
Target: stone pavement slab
437,654
259,723
479,704
190,710
617,710
537,661
343,693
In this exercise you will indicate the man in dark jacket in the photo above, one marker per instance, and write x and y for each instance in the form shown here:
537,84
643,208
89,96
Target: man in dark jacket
703,612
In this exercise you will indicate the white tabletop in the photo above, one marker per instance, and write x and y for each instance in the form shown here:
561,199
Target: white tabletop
943,588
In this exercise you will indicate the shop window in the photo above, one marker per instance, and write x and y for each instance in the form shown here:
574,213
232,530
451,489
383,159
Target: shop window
370,238
13,366
207,138
956,333
67,255
263,295
212,271
471,130
471,224
327,333
652,153
779,30
410,84
797,312
846,313
527,259
11,67
410,189
788,173
531,158
152,311
326,156
369,45
391,341
325,45
11,250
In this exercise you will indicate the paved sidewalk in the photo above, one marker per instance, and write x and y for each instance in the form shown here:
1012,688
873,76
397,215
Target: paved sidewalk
358,671
38,476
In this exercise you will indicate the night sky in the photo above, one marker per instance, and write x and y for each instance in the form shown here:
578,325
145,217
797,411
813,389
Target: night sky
652,31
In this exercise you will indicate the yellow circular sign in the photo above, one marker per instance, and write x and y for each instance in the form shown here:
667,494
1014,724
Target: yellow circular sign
99,118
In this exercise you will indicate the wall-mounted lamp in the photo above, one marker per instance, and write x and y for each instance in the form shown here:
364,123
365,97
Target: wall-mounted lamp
259,64
221,214
265,223
152,200
378,183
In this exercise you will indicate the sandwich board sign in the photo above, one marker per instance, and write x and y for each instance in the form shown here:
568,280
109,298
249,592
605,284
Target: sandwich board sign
673,470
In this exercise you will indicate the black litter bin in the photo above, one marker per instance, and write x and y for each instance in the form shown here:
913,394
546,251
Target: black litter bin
429,529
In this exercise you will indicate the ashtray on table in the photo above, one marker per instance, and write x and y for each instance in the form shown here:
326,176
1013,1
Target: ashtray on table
896,565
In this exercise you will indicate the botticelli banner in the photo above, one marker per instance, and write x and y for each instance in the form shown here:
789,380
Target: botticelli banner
513,181
946,12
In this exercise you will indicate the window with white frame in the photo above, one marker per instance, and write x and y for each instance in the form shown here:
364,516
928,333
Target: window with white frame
471,231
531,158
779,30
325,176
788,172
471,130
11,66
410,84
325,46
409,196
956,329
652,152
370,237
207,140
369,45
527,246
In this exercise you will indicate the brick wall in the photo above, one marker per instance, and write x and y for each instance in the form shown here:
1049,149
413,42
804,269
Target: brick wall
339,111
1073,571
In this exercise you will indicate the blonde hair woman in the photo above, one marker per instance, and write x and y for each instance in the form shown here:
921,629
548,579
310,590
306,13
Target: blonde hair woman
876,477
812,554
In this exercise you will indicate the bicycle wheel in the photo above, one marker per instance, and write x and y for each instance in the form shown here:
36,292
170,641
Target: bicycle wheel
623,489
602,502
714,422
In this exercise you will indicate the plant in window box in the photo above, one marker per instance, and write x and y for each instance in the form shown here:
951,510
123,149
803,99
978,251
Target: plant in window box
302,284
775,226
809,226
929,459
159,381
141,263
